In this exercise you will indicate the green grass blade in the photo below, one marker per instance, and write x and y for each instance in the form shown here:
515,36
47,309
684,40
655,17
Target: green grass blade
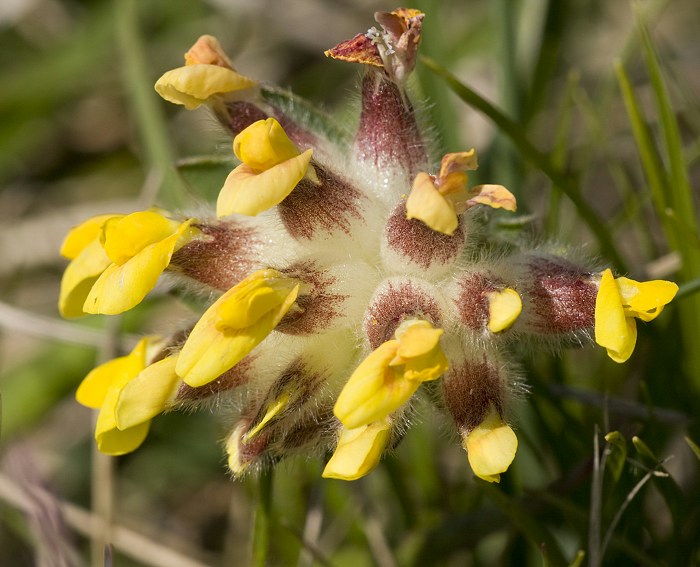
566,182
150,122
560,151
651,161
681,198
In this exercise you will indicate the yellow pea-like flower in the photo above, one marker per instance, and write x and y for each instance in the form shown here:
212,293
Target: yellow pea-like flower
116,260
148,394
100,389
271,169
234,325
207,75
391,374
491,447
436,201
618,303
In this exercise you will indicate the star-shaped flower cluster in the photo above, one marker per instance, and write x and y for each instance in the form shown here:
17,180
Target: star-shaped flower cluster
348,280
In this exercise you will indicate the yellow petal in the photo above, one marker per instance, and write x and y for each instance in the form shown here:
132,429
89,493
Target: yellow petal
93,389
424,368
417,338
358,451
645,300
123,238
116,442
454,185
276,407
419,355
374,390
109,439
246,192
148,394
212,348
79,237
121,287
193,85
491,447
263,145
613,331
79,278
428,205
252,298
504,308
494,196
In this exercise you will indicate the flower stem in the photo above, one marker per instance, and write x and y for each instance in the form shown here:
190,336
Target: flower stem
261,533
102,481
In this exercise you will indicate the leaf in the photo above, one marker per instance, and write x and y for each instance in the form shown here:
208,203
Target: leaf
578,560
693,447
643,449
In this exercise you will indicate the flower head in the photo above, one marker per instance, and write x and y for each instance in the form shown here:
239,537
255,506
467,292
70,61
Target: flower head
618,302
363,278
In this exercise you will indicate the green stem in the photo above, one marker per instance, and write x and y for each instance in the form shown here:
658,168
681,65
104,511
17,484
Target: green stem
150,122
568,183
102,482
508,166
262,527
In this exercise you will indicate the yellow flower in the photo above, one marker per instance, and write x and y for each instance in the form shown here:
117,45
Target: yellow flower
139,247
504,308
116,260
235,324
100,389
208,73
618,302
491,447
358,450
391,374
437,202
271,169
88,261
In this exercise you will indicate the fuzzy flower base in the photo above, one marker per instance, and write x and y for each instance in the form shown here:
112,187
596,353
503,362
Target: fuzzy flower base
349,278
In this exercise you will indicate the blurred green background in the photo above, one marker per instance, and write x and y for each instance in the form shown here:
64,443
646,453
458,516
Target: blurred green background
598,135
